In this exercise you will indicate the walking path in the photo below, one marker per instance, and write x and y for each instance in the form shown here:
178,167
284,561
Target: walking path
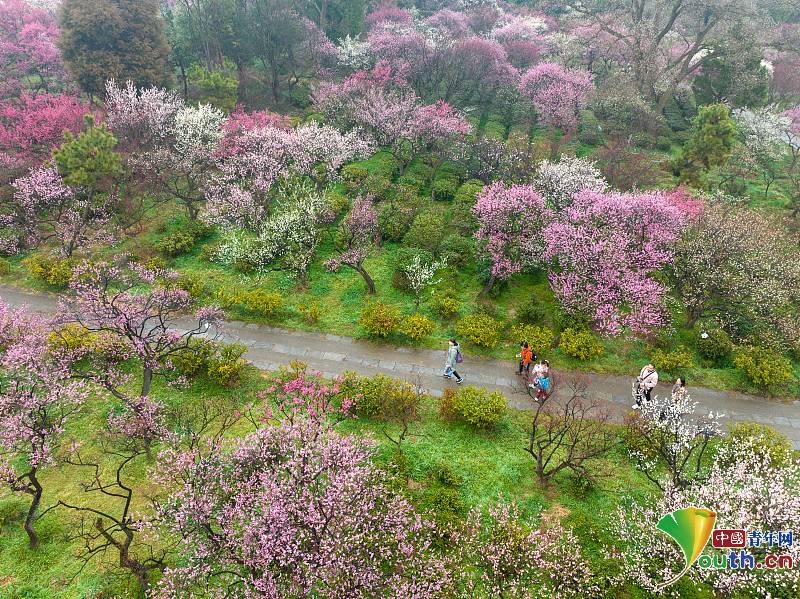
270,347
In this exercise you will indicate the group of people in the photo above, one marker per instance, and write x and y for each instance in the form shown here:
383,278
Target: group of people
537,374
537,371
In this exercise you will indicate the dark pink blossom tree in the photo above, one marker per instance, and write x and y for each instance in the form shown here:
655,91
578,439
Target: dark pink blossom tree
34,125
510,223
605,249
37,398
356,238
557,92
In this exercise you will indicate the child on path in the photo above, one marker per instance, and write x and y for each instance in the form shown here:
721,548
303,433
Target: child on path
525,357
453,358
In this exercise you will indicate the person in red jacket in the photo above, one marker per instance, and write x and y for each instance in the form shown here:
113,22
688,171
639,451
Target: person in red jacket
525,357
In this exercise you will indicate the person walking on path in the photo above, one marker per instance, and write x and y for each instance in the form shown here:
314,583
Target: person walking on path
525,357
647,381
453,358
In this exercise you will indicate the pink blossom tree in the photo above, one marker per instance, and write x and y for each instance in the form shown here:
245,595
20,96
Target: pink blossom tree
356,238
603,251
106,299
510,222
44,208
28,52
498,555
557,92
37,398
34,125
293,509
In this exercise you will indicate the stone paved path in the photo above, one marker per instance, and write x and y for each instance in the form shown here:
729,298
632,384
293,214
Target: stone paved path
269,347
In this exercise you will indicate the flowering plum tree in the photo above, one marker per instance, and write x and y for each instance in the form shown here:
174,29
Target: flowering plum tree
28,53
500,556
739,475
357,235
604,249
739,267
557,92
37,398
294,509
559,181
33,126
673,439
106,300
510,223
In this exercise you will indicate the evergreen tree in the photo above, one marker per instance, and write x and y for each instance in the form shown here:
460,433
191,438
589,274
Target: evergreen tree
713,136
113,39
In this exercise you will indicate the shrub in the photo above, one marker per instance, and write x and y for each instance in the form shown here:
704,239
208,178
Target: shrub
404,257
715,345
478,407
394,221
221,363
539,338
580,344
417,326
444,189
258,301
427,231
226,365
530,312
766,441
354,176
5,267
311,312
52,270
457,250
193,284
673,361
379,319
183,240
445,305
764,367
480,329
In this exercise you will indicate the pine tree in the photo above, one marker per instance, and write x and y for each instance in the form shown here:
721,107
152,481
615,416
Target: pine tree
113,39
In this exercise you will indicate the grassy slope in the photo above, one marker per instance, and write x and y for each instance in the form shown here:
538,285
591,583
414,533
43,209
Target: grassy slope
491,463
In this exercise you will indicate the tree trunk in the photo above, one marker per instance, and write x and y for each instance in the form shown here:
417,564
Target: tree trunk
488,287
33,538
367,279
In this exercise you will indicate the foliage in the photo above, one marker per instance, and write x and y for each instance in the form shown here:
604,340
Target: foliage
580,344
764,367
379,319
480,329
715,345
539,338
673,361
258,301
417,326
763,440
52,270
113,39
479,407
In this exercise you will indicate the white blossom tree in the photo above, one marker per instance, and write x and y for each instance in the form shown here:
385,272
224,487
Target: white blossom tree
559,181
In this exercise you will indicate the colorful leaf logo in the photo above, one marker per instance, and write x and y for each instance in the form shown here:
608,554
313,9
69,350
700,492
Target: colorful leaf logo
690,527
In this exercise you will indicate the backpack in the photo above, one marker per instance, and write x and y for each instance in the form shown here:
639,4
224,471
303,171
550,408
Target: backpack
459,357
